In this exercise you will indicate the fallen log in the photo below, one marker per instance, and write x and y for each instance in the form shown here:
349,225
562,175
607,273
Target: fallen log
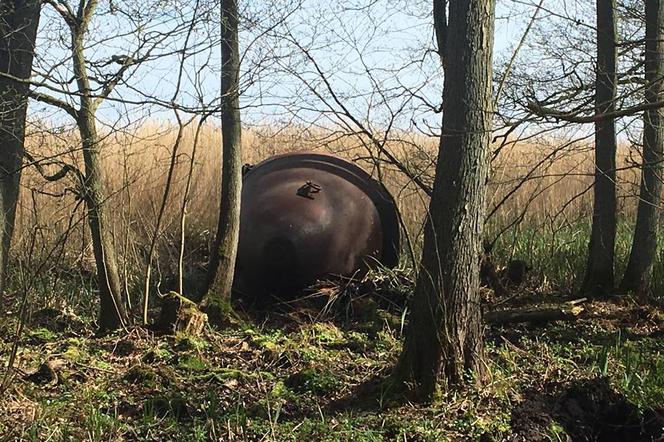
533,315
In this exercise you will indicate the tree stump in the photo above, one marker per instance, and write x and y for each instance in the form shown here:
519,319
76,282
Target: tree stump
180,314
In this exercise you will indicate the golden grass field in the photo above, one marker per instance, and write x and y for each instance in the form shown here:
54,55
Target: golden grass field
557,189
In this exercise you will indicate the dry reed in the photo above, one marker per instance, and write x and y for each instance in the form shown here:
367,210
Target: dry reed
552,178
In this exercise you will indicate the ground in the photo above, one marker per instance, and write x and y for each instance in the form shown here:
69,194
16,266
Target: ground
316,374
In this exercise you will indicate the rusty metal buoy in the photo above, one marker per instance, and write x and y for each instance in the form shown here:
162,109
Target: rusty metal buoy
306,216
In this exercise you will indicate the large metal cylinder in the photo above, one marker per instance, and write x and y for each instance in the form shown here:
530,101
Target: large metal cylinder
307,216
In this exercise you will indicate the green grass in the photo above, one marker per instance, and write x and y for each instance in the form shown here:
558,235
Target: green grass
266,385
558,252
636,368
281,379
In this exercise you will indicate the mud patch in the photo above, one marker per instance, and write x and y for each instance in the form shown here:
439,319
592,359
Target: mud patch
584,410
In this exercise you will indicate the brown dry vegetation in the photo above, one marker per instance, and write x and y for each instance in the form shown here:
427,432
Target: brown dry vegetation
557,175
544,219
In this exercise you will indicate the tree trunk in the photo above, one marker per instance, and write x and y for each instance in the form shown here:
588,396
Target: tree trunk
644,244
19,20
599,278
222,261
112,313
440,27
445,328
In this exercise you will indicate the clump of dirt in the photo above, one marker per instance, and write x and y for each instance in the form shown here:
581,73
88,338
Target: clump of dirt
125,347
139,374
584,410
46,374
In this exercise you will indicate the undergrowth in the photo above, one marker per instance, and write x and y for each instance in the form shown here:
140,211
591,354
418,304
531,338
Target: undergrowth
316,370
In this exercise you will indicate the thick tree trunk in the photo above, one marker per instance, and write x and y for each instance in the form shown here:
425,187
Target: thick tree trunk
599,278
644,244
222,261
445,327
19,20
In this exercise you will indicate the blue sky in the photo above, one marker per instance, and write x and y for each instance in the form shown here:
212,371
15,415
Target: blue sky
360,45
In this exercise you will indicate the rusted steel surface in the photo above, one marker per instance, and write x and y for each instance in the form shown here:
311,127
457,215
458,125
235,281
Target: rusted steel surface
306,216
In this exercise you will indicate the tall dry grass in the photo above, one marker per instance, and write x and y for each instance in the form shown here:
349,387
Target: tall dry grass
557,176
552,178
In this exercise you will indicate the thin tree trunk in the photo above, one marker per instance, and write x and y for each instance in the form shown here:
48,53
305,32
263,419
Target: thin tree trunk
599,278
222,261
112,313
644,244
19,20
160,217
185,202
445,328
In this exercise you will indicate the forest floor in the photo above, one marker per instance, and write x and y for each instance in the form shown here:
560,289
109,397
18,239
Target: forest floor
300,375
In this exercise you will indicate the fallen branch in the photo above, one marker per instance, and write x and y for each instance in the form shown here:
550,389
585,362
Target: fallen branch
533,315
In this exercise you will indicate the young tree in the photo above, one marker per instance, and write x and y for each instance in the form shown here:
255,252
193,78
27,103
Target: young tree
644,244
598,280
89,64
445,330
79,73
19,20
112,312
222,261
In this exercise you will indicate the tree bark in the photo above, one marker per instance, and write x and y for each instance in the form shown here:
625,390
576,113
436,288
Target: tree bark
440,28
19,20
112,313
599,277
222,261
644,244
445,328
